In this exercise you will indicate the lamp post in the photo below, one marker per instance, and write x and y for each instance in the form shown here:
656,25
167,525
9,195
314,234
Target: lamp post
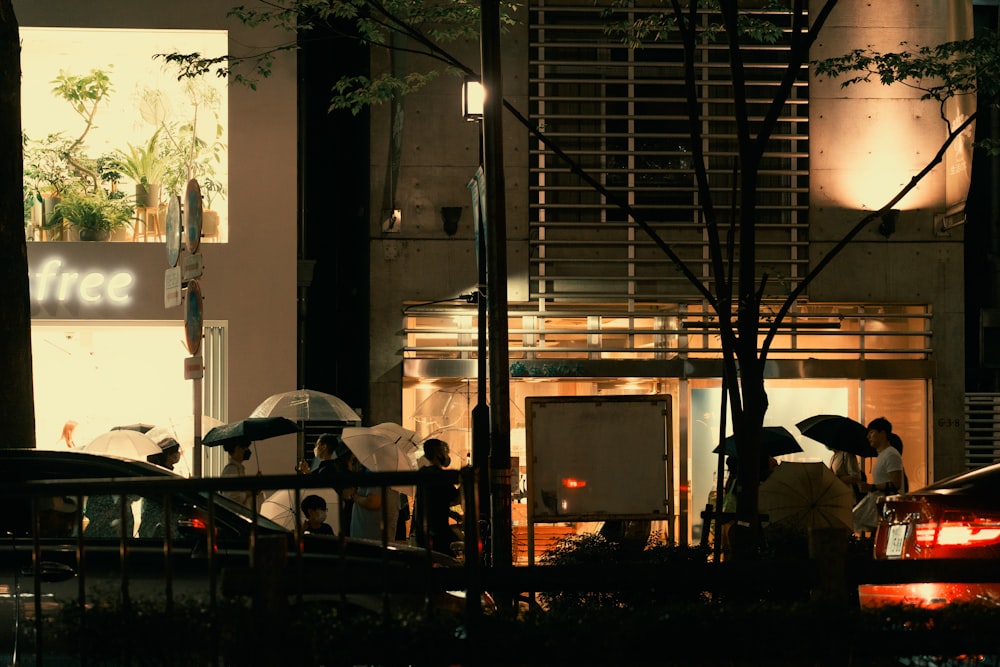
472,111
496,277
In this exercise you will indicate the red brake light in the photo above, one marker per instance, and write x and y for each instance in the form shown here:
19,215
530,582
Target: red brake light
959,531
968,534
571,483
198,524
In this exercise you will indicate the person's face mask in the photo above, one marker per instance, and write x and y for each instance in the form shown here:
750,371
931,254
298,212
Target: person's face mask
445,460
246,454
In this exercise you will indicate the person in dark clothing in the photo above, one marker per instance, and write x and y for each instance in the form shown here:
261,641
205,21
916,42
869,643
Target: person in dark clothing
435,497
314,512
333,456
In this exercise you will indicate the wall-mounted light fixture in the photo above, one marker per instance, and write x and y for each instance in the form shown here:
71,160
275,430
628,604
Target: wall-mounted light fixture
953,217
888,224
473,98
450,215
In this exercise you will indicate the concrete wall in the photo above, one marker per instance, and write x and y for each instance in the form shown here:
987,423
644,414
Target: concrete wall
866,142
420,262
250,282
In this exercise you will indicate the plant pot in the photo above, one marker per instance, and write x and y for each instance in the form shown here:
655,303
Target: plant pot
147,196
209,223
90,234
56,233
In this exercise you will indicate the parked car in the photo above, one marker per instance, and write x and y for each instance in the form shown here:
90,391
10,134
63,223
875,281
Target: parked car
955,518
98,564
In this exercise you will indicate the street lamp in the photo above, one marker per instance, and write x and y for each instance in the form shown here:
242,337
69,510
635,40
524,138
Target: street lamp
473,96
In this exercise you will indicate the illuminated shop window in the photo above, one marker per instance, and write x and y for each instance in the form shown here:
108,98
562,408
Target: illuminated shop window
111,134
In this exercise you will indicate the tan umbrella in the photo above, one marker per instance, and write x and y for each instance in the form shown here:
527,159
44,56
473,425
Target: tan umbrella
800,496
123,442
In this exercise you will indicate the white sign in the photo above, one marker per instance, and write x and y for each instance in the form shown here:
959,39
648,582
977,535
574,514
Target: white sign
192,267
172,287
194,368
56,283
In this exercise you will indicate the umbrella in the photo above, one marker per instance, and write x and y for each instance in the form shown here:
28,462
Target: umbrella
306,405
123,442
451,407
384,447
800,496
279,507
140,427
774,441
249,430
838,432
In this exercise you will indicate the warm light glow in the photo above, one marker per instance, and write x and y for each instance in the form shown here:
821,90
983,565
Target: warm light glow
886,155
571,483
126,116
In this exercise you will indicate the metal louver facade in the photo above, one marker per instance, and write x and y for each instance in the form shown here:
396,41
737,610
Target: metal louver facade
621,114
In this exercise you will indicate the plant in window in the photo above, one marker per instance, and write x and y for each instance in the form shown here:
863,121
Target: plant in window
147,166
96,215
193,148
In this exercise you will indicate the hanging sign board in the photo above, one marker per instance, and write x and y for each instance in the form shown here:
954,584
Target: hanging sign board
172,287
194,368
191,267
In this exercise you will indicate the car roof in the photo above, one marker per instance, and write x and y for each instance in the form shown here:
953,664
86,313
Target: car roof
979,482
72,464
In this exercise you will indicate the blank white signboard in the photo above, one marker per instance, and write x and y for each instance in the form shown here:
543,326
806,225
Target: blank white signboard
592,458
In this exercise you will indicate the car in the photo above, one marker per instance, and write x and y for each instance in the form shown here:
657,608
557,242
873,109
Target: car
99,562
955,518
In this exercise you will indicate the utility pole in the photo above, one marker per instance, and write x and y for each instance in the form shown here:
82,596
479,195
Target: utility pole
496,293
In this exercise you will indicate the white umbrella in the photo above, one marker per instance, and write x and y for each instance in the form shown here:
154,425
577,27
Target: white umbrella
384,447
279,507
451,407
123,442
306,405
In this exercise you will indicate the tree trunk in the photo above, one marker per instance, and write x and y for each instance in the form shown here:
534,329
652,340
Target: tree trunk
17,401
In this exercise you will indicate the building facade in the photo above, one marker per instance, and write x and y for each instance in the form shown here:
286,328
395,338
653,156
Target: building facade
596,309
111,325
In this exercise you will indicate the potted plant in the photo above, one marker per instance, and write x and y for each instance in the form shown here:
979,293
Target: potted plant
193,147
210,189
96,216
47,176
146,166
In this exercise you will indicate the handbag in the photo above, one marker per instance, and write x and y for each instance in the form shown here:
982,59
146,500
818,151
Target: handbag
866,513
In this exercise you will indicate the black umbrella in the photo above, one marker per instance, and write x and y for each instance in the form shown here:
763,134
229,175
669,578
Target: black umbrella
838,433
249,430
774,441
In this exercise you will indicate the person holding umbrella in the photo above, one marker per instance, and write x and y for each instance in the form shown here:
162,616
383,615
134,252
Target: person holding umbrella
887,472
847,468
887,476
239,452
333,457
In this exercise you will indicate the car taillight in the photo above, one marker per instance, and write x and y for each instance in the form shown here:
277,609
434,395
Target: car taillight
958,532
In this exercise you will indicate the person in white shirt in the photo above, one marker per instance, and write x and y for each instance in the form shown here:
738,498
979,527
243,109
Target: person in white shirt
887,472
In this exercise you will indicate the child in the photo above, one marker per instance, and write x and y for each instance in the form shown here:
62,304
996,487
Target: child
314,509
